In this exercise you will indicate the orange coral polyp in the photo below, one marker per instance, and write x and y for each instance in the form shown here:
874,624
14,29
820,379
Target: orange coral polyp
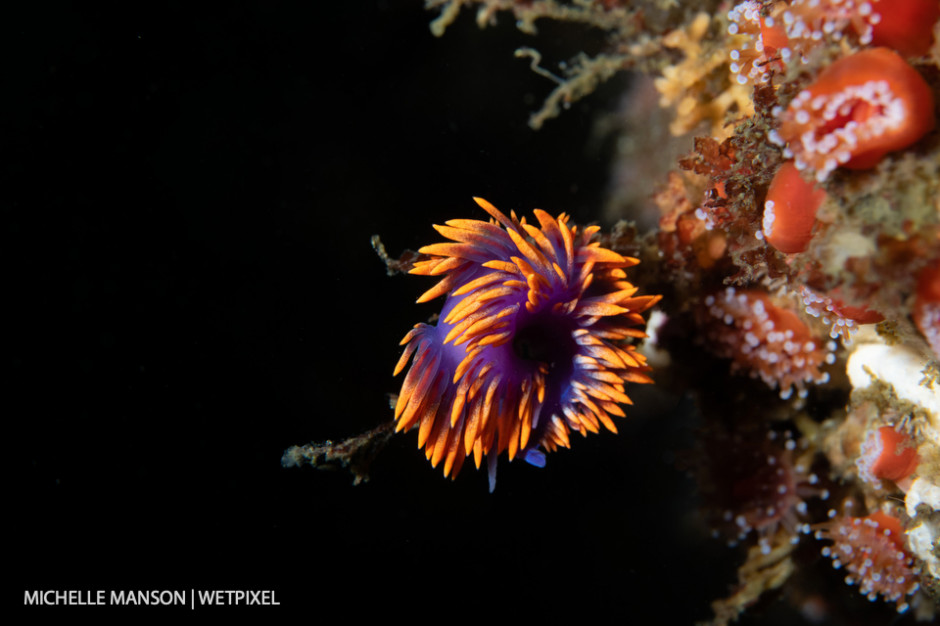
773,34
764,340
887,454
790,210
860,108
906,25
927,305
763,38
871,551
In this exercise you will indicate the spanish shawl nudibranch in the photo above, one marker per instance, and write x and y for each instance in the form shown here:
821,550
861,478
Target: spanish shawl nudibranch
528,344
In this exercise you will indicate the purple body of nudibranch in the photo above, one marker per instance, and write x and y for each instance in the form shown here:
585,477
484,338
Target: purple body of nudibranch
539,340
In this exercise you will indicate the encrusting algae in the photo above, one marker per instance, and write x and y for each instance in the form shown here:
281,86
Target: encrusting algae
796,245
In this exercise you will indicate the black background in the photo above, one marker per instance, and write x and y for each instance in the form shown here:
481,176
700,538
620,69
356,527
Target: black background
188,209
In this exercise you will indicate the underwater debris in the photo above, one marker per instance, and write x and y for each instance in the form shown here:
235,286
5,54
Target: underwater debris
402,264
765,568
354,454
634,30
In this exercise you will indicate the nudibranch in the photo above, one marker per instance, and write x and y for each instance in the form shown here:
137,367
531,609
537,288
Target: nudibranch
530,343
